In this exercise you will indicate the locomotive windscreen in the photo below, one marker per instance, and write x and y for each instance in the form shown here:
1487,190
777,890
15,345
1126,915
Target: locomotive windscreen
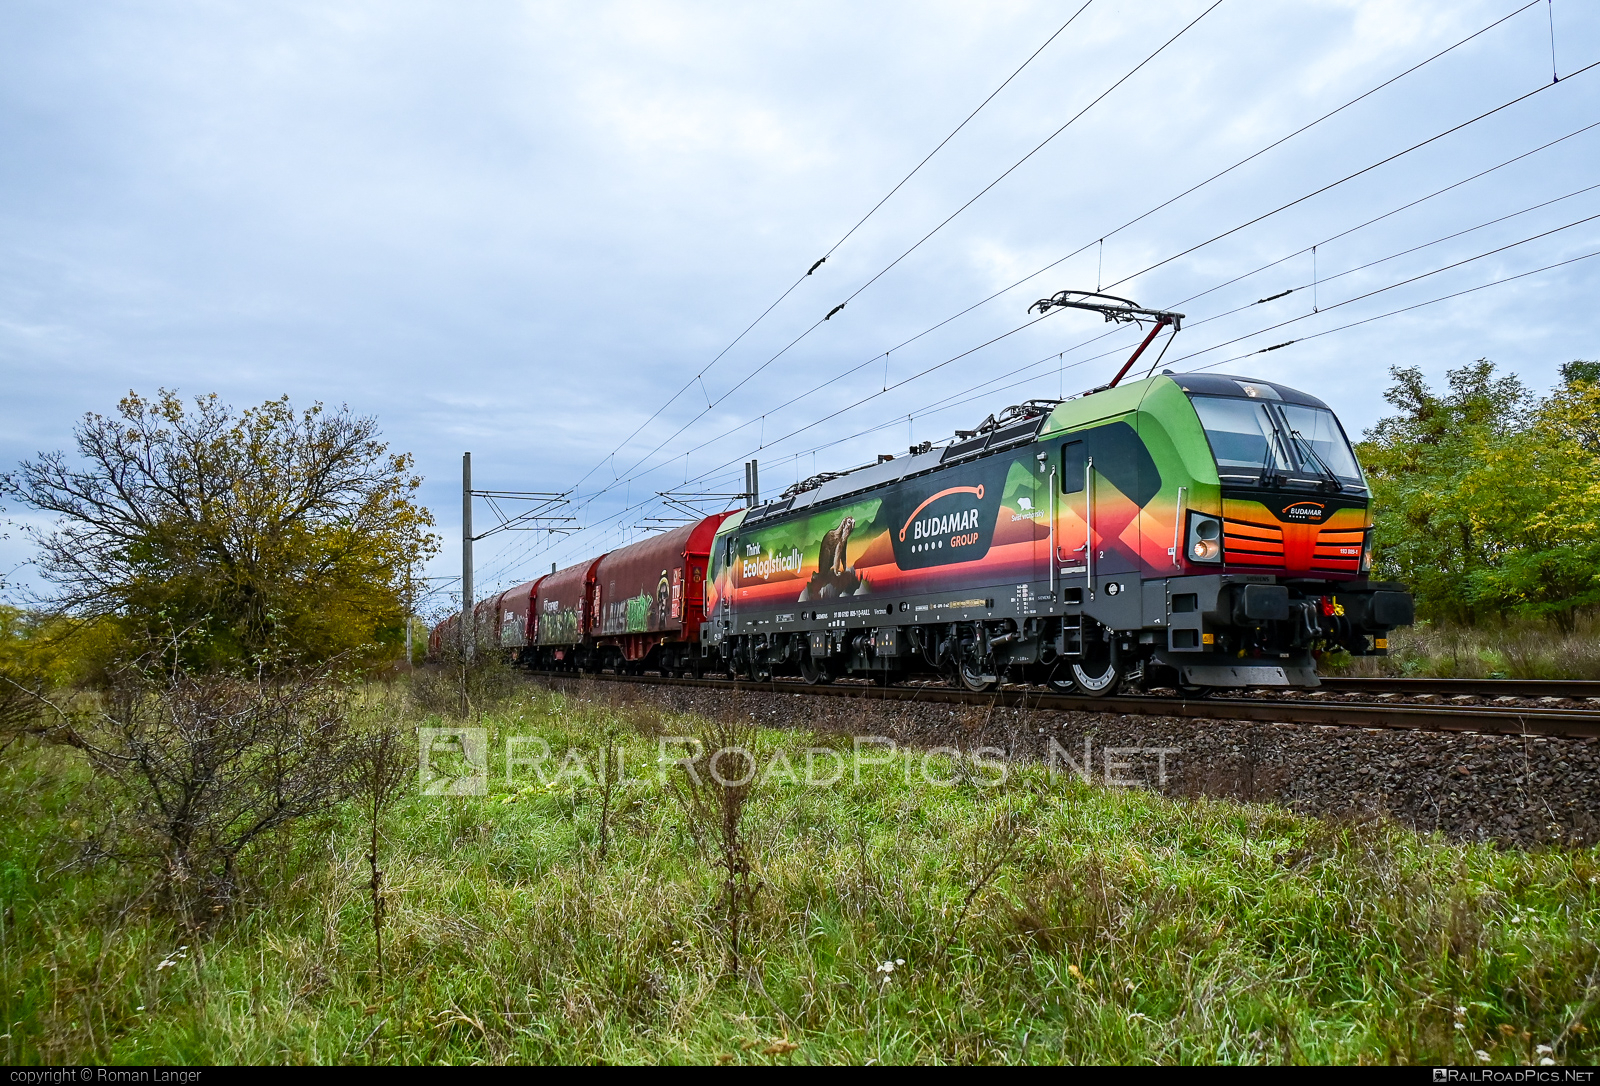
1258,438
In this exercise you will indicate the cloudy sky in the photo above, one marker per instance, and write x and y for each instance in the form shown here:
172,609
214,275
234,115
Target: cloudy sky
523,229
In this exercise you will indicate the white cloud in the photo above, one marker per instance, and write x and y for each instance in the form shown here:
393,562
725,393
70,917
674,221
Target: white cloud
520,229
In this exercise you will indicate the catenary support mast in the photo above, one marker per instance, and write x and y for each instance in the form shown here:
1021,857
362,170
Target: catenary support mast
467,632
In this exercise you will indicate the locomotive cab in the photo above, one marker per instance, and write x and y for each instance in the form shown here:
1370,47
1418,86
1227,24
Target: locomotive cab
1274,548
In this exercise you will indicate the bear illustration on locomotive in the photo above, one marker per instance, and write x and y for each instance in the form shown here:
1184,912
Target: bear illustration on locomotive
1194,530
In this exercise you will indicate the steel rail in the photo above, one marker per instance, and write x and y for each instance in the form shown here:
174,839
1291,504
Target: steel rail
1495,720
1489,688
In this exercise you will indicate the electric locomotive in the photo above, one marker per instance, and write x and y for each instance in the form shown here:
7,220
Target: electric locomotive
1196,530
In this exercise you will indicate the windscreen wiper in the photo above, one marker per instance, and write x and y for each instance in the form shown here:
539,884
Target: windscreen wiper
1332,480
1269,477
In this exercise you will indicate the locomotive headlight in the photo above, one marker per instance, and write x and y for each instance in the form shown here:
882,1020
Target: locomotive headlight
1205,538
1366,554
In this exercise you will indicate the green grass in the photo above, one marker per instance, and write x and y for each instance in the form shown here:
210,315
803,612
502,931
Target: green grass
1515,649
1126,928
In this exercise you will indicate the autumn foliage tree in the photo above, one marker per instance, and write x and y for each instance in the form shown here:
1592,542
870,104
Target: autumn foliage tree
264,535
1488,497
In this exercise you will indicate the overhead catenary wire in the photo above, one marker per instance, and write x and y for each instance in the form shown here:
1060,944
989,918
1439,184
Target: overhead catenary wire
948,219
1322,189
951,401
1200,321
1348,177
1195,322
1403,309
1395,211
957,398
700,376
1392,286
953,132
1550,10
1326,279
1249,354
1041,146
1234,166
1316,335
1353,324
1191,189
1101,241
947,361
1281,324
1344,233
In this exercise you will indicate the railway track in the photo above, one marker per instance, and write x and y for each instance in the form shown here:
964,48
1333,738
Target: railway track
1568,723
1574,689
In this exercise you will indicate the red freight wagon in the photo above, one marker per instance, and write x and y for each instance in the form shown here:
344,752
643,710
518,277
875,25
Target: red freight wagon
515,607
484,615
563,608
649,600
447,633
501,621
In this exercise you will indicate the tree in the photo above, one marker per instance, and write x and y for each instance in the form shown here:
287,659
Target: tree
1422,463
1488,499
263,536
381,767
39,653
1551,564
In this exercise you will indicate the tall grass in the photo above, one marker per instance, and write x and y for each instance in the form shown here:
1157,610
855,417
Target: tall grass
1520,649
1045,920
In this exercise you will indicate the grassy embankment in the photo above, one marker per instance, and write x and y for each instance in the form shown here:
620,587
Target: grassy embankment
1118,926
1511,650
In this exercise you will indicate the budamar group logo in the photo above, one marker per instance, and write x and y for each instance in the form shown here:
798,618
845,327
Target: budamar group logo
949,517
1307,512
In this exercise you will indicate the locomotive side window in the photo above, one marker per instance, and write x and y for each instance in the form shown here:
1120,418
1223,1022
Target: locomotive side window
1120,458
1074,467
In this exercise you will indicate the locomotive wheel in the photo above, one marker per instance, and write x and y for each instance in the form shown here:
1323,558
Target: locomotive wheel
1097,674
814,673
970,672
1060,680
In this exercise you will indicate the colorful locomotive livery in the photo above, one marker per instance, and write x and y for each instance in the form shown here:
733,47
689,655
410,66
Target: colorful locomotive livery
1195,530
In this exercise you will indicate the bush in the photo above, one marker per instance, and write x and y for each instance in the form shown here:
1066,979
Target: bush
203,768
456,685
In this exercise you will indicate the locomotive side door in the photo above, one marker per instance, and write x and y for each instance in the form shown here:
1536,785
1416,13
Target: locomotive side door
1046,477
725,583
1073,516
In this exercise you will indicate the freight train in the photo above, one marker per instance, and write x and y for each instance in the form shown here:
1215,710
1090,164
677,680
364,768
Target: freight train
1192,530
